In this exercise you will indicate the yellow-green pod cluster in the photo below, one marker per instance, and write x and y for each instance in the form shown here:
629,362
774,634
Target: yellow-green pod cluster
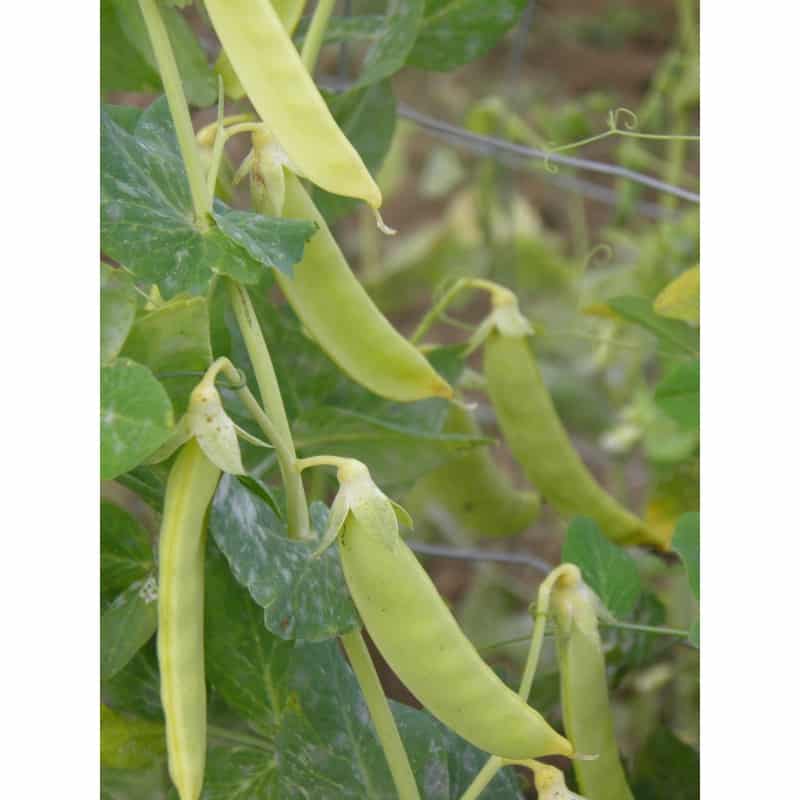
417,634
190,488
272,73
535,435
473,490
585,702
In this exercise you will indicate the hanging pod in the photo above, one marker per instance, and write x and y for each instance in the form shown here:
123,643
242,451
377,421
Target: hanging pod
535,435
415,631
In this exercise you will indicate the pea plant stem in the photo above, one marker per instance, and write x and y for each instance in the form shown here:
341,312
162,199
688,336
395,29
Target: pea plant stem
316,34
179,109
275,412
381,714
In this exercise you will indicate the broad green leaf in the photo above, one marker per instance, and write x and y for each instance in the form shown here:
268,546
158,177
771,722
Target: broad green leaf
148,482
675,337
125,552
680,299
130,742
678,394
245,663
117,310
127,626
455,32
127,61
666,769
135,416
302,598
243,771
147,217
686,542
605,567
174,338
367,116
136,689
124,784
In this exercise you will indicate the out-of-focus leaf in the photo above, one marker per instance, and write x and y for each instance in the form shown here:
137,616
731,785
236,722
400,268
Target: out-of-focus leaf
678,394
686,542
455,32
666,769
675,337
130,742
302,597
680,299
605,567
135,416
117,310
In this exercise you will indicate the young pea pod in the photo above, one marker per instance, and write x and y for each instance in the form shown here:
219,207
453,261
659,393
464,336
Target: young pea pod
190,488
269,68
417,634
535,435
584,694
473,490
344,321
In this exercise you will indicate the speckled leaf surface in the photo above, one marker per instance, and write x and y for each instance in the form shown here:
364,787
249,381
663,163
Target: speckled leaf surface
147,219
135,416
455,32
302,598
117,311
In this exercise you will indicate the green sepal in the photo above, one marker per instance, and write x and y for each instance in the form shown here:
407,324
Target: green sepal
214,429
403,517
336,520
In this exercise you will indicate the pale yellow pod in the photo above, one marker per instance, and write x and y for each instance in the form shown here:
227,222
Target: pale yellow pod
284,95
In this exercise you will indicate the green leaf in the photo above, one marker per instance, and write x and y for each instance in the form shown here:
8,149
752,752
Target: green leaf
135,416
302,598
117,310
136,689
245,663
605,567
147,217
675,337
666,769
694,633
125,552
680,299
130,742
127,626
686,542
127,61
678,394
174,338
455,32
148,482
367,116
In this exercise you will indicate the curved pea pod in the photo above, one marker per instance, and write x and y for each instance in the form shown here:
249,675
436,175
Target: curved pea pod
538,440
473,490
272,73
190,488
417,634
341,317
584,694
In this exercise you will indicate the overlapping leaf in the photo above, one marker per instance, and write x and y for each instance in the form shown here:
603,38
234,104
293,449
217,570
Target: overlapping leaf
117,311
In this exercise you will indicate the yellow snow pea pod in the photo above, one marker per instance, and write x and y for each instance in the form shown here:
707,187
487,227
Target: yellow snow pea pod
343,320
584,693
535,434
190,488
415,631
473,490
269,68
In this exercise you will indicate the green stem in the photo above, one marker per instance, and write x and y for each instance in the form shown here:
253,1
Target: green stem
483,778
381,714
316,34
272,401
676,157
179,109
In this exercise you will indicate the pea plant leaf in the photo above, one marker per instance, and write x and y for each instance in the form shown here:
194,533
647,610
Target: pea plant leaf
675,337
302,597
455,32
367,115
680,299
117,310
127,625
666,769
678,394
147,218
686,542
605,566
136,689
135,416
125,552
128,742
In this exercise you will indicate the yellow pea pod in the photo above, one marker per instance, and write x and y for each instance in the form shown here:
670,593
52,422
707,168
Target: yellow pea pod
584,694
287,100
473,490
417,634
535,435
344,321
190,488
